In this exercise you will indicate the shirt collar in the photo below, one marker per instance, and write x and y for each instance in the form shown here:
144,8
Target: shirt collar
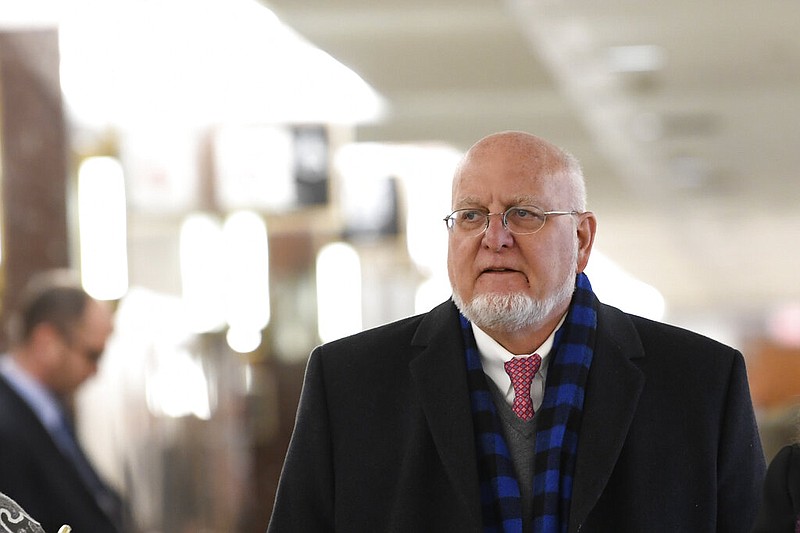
494,355
43,403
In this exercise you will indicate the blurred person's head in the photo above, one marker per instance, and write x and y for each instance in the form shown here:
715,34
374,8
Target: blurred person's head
513,273
58,332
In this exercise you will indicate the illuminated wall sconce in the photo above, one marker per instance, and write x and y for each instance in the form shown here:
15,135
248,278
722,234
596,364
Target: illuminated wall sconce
102,223
225,276
246,254
202,272
339,310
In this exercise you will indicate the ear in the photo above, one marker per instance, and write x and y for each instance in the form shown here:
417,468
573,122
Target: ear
44,332
45,341
586,228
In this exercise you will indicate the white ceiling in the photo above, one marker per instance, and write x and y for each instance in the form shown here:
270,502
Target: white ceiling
692,169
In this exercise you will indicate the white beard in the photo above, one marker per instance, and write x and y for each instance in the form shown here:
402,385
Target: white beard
513,312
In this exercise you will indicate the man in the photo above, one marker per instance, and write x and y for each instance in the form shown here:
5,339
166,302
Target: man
57,336
429,424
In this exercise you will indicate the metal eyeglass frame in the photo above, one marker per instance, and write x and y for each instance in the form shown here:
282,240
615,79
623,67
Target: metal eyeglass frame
449,220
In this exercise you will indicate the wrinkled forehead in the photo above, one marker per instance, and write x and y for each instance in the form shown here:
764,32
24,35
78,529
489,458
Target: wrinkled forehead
509,169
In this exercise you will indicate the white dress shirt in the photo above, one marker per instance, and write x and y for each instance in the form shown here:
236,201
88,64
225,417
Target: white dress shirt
43,403
494,356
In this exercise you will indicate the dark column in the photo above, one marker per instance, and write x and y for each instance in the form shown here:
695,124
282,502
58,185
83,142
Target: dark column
34,159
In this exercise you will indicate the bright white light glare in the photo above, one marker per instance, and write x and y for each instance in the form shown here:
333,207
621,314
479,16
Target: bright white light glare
202,272
431,293
225,276
178,387
243,340
617,287
429,193
254,167
31,14
246,253
426,173
636,58
238,63
339,311
102,222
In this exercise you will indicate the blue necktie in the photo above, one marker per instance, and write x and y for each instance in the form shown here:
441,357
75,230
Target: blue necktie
64,435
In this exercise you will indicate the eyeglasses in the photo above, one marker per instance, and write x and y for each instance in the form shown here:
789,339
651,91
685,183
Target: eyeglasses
519,219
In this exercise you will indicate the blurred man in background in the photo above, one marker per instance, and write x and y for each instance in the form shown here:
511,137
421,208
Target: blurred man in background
58,334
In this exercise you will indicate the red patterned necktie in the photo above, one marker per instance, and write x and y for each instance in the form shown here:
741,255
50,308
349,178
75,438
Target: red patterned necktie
521,371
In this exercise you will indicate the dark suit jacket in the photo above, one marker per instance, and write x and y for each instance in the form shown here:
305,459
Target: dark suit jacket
384,438
780,506
35,473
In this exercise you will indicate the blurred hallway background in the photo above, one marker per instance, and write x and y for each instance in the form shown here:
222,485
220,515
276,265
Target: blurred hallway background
246,179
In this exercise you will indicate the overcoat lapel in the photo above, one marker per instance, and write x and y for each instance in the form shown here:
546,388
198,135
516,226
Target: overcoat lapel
27,419
612,395
439,373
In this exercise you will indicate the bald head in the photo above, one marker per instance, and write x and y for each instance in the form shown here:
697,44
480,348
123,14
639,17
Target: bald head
531,156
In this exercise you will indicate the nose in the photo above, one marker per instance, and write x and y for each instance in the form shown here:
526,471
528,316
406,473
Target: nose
496,235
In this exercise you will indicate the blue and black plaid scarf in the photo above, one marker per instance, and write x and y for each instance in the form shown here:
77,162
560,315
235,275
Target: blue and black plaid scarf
557,424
